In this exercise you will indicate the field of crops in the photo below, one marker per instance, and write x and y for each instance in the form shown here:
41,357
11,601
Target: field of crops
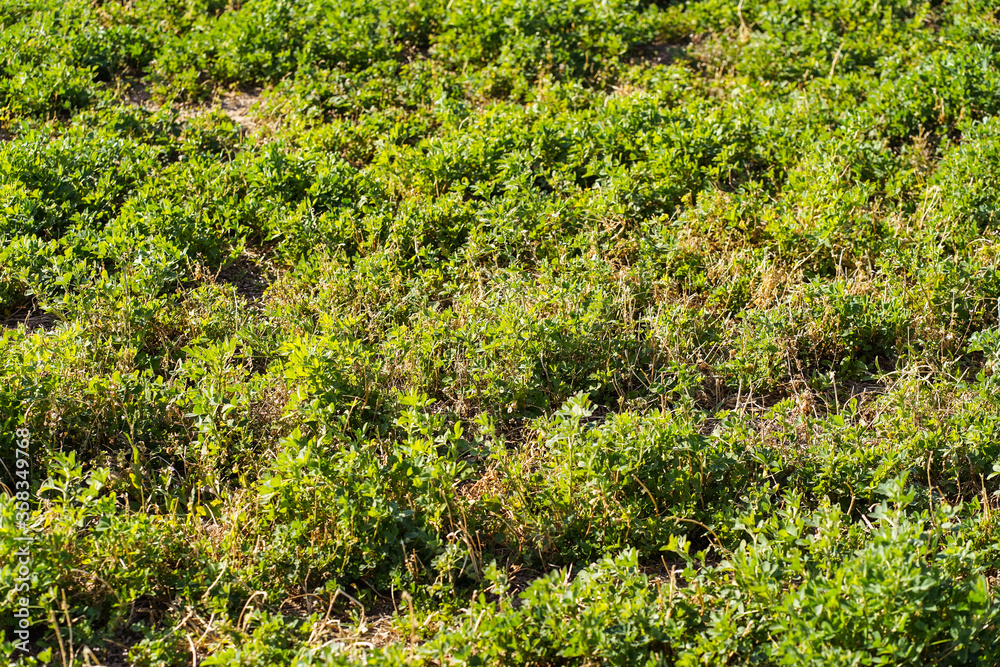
500,332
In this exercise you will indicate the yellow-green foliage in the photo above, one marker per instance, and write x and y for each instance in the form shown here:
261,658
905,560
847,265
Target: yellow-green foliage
501,331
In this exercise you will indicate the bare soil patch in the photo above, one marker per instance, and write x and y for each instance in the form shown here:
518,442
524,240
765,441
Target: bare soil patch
660,54
137,94
238,107
248,277
31,316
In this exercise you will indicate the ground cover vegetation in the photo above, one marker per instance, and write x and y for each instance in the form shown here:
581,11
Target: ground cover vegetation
502,331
